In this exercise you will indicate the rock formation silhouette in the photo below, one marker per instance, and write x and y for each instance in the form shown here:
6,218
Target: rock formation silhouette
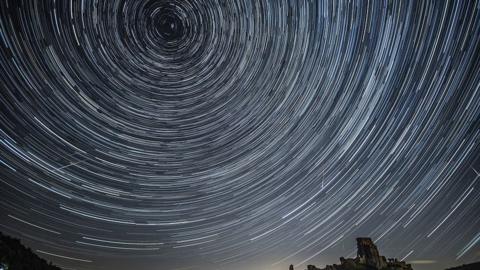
368,258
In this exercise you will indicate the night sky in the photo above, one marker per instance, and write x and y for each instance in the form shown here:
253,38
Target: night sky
163,134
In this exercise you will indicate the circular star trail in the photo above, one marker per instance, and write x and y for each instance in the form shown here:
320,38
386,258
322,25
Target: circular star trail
224,134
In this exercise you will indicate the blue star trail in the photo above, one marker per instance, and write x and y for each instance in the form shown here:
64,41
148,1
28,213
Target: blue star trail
240,134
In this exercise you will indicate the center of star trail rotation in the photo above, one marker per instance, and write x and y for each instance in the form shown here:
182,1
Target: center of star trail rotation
239,134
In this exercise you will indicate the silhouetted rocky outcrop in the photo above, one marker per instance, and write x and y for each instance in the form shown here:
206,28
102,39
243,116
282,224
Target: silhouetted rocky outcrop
15,256
367,253
368,258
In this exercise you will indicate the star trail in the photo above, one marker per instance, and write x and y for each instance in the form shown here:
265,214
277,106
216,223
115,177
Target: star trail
182,134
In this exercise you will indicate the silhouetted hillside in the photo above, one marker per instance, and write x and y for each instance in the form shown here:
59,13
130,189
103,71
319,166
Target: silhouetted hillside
471,266
15,256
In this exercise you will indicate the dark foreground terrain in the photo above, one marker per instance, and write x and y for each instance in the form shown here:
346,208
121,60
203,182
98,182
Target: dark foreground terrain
15,256
368,258
471,266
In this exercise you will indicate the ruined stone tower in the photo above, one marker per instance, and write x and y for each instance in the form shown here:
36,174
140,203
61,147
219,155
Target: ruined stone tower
368,258
367,253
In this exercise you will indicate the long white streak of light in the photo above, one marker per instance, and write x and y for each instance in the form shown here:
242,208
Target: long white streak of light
65,257
36,226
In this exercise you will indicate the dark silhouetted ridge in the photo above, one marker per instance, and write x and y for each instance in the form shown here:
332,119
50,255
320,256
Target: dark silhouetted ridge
471,266
15,256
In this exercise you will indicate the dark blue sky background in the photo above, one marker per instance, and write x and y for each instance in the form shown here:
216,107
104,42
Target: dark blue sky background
240,134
